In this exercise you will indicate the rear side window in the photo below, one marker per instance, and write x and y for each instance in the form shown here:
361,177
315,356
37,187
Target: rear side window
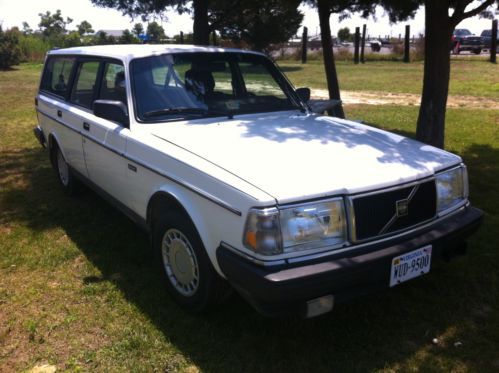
113,85
56,76
85,85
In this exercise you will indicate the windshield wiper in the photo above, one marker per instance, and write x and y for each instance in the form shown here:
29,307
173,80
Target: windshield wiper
186,110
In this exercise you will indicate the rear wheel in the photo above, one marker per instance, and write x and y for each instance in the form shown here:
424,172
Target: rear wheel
66,178
477,51
186,269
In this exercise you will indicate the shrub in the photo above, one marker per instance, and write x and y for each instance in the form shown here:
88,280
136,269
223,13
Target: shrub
34,48
10,50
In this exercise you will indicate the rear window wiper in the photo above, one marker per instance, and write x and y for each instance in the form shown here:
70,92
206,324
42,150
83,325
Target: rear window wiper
186,110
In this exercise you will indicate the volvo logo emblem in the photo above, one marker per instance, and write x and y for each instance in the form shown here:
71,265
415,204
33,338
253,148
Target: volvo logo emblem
402,207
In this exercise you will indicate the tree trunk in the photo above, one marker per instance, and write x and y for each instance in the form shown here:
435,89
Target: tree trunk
327,50
201,29
431,120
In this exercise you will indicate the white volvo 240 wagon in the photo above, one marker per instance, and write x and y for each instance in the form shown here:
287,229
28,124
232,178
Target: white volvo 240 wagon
215,154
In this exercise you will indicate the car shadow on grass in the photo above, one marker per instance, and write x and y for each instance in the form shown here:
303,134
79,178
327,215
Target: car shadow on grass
391,329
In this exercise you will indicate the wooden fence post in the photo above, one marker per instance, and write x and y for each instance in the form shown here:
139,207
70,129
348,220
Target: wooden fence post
363,44
181,37
356,47
407,45
304,42
493,42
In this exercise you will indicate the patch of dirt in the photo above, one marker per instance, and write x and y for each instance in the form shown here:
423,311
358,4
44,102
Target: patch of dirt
406,99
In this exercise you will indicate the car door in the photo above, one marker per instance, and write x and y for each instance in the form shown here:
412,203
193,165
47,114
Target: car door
54,112
104,141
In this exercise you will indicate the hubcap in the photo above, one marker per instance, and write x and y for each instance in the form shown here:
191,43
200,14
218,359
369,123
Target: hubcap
62,167
180,262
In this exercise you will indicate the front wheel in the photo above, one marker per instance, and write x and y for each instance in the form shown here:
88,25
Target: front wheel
477,51
186,270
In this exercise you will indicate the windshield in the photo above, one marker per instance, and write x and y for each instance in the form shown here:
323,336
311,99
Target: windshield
462,32
199,84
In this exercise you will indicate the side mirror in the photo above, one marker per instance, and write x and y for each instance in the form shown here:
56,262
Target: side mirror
115,111
304,94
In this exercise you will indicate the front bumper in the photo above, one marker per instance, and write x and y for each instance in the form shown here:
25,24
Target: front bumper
287,289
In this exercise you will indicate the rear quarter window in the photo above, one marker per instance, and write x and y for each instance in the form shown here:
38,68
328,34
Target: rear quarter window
56,75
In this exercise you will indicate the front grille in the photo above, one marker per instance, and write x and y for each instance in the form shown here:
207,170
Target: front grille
376,214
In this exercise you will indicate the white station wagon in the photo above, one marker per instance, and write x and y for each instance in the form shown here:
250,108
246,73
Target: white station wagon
240,185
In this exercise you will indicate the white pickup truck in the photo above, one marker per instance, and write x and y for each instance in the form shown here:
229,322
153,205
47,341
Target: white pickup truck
239,185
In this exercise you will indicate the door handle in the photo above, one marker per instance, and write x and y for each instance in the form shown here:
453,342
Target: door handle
86,126
59,113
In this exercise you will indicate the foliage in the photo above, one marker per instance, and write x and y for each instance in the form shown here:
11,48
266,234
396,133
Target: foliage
344,34
53,25
138,29
84,28
27,30
34,47
259,24
10,50
73,39
155,32
128,38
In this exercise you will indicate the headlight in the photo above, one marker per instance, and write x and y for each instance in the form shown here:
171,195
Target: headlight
312,225
302,227
452,188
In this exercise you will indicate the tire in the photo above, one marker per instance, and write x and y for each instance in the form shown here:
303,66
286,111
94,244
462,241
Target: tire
66,178
477,51
185,268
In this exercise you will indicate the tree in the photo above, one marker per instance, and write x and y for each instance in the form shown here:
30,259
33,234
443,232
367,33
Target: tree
155,32
73,39
201,10
438,30
101,38
84,28
26,29
10,50
53,25
259,24
138,29
397,9
344,34
128,38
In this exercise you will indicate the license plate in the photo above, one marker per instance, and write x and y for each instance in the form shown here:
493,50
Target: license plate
409,265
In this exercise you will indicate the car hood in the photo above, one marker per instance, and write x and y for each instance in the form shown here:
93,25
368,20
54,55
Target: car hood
294,156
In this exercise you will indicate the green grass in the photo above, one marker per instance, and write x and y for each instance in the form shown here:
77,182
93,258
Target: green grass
468,77
78,289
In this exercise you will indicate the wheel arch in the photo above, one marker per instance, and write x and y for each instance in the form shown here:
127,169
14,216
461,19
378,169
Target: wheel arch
53,143
175,198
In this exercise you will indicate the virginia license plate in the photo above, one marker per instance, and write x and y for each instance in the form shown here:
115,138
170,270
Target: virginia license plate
409,265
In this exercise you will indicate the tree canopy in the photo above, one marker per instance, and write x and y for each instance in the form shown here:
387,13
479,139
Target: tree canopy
53,24
84,28
155,32
258,24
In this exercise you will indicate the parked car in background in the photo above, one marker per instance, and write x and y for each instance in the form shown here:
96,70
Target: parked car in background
486,36
457,36
470,43
375,45
237,182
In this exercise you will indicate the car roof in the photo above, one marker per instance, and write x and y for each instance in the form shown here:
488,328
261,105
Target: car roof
127,52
